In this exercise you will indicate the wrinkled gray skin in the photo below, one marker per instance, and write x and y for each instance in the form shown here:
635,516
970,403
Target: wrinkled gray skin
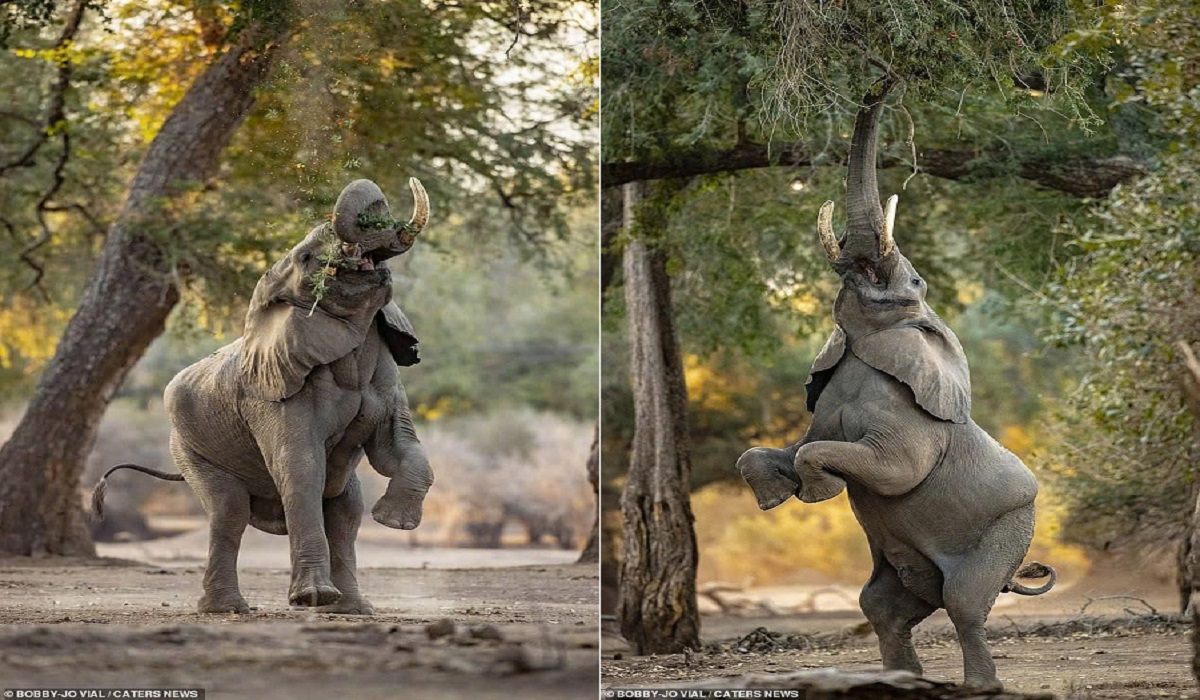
268,430
948,512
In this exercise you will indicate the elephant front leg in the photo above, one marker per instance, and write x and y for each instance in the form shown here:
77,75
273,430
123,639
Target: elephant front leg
301,482
823,467
396,453
343,515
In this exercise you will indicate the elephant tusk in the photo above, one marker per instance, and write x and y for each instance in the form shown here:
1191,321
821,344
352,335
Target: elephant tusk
825,230
886,243
420,215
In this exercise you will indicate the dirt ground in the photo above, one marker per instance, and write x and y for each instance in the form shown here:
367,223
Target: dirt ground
447,627
1079,641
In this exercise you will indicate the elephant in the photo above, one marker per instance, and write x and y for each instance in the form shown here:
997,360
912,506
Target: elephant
948,512
268,430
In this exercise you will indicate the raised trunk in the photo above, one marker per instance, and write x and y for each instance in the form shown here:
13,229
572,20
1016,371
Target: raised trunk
591,551
864,215
657,601
123,309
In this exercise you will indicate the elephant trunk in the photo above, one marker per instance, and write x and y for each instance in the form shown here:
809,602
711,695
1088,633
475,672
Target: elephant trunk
362,218
864,215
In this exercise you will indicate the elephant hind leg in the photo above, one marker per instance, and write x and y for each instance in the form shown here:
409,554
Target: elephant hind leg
973,584
893,611
227,503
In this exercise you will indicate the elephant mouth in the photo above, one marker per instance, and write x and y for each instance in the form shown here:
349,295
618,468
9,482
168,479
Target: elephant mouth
356,260
894,303
366,262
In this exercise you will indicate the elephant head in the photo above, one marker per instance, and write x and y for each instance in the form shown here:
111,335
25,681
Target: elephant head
364,224
318,302
880,309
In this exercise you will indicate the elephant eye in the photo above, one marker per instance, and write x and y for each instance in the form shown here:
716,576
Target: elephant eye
305,257
916,281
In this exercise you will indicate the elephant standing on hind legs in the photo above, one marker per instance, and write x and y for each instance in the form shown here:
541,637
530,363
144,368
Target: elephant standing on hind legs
948,512
268,430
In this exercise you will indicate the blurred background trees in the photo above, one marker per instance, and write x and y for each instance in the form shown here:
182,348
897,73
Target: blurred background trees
492,105
1044,157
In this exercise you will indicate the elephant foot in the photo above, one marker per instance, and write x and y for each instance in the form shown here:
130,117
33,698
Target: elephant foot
982,686
399,511
223,602
310,589
349,606
819,485
771,487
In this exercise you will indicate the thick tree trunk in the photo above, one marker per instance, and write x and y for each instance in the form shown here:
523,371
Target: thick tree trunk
591,551
657,605
124,307
1189,559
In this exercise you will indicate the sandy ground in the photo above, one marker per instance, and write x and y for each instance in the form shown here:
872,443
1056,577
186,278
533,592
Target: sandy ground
1112,649
504,624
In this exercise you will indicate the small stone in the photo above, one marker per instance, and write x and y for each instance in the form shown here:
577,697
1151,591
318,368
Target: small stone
486,632
442,628
165,604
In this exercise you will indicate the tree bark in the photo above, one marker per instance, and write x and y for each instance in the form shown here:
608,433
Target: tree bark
124,307
657,603
1079,175
591,551
1189,559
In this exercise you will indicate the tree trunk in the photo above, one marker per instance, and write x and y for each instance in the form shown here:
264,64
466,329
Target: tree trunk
591,551
123,309
1189,560
657,605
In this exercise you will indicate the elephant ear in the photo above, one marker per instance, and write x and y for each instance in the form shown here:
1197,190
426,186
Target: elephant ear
398,334
929,360
823,366
282,343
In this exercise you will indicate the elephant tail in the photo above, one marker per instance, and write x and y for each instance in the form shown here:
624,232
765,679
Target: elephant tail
101,488
1032,570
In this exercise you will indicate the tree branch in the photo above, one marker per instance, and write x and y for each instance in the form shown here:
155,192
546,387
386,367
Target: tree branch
1077,175
1190,381
56,113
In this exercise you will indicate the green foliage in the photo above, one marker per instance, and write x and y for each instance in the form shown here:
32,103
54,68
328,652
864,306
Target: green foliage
498,331
680,73
493,109
1122,295
1123,303
330,259
831,53
16,15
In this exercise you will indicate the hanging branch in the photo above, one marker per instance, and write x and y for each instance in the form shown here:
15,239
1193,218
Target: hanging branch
43,206
54,124
56,114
